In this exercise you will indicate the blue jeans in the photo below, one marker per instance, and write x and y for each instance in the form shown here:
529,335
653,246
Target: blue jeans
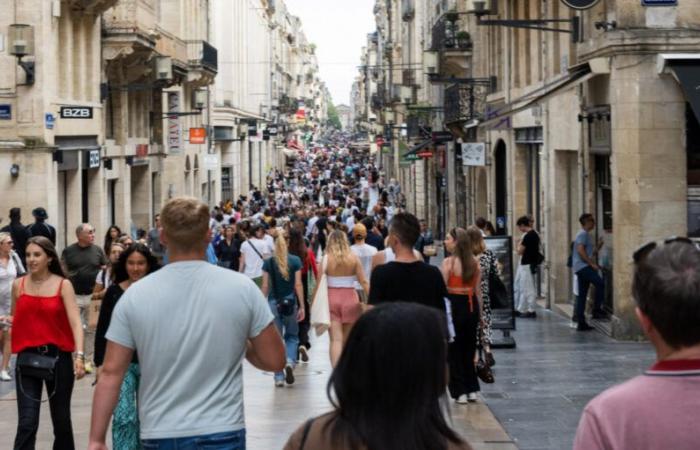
289,329
233,440
586,277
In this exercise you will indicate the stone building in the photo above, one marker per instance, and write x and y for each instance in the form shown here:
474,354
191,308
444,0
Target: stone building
603,121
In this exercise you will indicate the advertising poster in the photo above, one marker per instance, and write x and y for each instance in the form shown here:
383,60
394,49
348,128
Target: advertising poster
502,311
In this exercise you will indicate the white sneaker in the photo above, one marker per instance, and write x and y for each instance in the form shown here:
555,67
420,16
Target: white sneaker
462,399
4,376
279,383
472,397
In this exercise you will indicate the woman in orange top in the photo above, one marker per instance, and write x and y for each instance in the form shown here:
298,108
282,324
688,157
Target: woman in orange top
46,321
463,278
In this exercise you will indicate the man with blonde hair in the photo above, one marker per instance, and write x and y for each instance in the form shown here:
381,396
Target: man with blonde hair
191,323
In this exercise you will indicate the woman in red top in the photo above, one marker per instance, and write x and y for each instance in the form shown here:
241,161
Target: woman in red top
46,321
298,247
462,275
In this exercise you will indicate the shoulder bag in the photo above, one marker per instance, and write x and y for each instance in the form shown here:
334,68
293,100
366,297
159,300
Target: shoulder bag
286,304
35,365
255,249
320,311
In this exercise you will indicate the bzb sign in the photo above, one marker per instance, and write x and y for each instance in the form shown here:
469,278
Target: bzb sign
76,112
580,4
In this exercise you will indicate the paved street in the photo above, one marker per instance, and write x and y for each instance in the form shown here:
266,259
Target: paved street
272,414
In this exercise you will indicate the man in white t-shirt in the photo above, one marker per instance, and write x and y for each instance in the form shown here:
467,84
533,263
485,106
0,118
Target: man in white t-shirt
192,323
254,252
365,252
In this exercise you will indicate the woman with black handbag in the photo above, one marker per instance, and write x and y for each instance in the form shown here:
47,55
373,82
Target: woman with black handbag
281,284
46,330
487,264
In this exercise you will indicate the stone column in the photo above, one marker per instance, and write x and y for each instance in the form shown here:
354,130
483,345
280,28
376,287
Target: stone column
649,174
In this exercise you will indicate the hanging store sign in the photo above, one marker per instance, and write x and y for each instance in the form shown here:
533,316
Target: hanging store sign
411,157
426,154
92,159
272,130
474,154
252,128
440,137
266,134
5,112
198,135
174,129
580,4
76,112
211,162
141,150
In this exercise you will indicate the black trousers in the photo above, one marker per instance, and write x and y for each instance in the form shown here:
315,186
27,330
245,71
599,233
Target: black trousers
305,324
59,404
460,353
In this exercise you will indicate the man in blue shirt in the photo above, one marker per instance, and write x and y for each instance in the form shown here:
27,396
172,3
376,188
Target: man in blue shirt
586,270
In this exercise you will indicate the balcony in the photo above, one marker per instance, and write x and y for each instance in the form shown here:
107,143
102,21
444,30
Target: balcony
453,45
203,62
91,6
129,34
465,102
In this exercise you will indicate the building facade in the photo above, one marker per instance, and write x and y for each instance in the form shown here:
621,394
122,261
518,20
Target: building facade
597,117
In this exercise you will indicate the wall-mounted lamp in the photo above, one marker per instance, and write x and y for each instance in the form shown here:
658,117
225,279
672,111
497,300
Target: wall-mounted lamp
164,68
14,170
21,40
199,99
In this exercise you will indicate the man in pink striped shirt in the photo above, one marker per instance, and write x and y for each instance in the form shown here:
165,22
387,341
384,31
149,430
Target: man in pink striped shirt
660,409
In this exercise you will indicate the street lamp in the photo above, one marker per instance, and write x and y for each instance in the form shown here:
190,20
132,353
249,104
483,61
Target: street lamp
21,39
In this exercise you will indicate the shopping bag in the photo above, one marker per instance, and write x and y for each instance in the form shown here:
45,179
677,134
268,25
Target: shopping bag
320,311
93,313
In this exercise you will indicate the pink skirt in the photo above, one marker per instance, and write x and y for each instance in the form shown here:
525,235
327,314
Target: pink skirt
344,305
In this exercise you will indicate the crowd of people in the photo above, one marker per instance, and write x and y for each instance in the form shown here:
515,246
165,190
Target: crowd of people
167,317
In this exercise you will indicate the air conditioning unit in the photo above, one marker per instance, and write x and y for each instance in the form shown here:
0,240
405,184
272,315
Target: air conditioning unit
164,68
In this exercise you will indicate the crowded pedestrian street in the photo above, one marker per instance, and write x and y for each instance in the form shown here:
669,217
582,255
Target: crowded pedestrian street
366,225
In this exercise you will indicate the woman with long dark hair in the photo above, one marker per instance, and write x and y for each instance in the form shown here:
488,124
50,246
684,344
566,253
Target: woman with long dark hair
487,264
297,247
46,322
463,278
386,387
134,263
111,237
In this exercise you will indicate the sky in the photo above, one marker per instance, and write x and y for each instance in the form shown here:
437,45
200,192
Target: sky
339,29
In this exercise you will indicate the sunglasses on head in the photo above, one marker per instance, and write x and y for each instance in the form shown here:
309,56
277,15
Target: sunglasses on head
642,252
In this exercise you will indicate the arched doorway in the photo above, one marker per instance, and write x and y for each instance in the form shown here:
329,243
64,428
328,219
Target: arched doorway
501,167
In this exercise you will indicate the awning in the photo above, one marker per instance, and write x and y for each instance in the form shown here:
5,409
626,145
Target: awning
686,69
416,148
577,74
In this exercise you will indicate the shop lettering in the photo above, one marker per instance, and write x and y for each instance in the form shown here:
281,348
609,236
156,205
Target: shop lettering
76,112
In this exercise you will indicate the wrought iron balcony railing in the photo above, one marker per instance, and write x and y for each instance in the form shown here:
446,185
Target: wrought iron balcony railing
201,53
464,102
447,36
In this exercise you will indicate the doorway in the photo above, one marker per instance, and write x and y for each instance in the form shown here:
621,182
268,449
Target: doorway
501,166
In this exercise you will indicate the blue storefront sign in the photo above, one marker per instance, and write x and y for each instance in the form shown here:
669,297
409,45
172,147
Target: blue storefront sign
5,112
49,119
659,2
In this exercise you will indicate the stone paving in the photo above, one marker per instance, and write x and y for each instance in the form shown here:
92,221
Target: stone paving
543,385
272,414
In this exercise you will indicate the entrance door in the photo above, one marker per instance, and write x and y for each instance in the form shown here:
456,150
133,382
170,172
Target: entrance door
501,188
604,225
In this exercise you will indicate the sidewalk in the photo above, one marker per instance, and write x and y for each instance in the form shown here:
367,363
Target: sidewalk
272,414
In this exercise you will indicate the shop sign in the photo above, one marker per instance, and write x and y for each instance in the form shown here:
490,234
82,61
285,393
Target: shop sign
252,128
266,134
76,112
426,154
659,2
141,150
272,130
49,120
411,157
211,162
174,130
93,159
198,135
474,154
580,4
5,112
440,137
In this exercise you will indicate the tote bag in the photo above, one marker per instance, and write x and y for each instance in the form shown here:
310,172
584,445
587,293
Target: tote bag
320,312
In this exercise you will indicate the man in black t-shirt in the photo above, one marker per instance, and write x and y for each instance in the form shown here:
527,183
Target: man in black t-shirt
40,227
528,248
406,279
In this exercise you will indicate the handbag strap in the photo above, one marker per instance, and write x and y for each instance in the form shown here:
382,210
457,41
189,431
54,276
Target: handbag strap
21,386
255,249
